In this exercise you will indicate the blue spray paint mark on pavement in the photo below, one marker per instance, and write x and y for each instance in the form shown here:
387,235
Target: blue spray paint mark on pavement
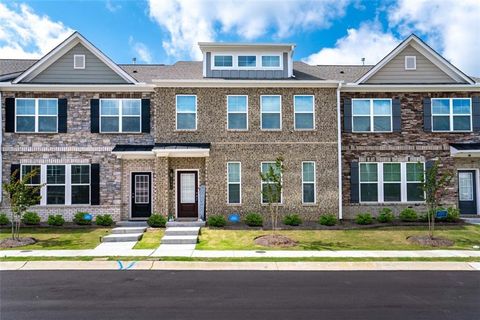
121,267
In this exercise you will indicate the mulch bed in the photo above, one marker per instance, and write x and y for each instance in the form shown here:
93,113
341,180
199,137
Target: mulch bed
274,240
430,242
10,243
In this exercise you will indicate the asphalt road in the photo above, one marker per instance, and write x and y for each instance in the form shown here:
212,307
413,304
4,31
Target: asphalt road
238,295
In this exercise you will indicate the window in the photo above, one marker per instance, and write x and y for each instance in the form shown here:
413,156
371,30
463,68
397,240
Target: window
237,112
392,182
223,61
186,112
372,115
308,182
268,184
80,181
247,61
270,61
368,182
55,184
234,181
35,180
36,115
451,114
79,61
410,62
271,114
120,115
304,112
415,172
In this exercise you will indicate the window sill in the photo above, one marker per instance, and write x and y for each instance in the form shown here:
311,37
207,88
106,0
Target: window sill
40,133
271,130
122,133
185,130
309,204
413,203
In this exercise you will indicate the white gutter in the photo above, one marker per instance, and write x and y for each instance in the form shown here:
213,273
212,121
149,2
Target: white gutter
222,83
7,86
350,87
339,146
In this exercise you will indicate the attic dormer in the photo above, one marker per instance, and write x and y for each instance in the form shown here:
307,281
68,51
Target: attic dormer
247,61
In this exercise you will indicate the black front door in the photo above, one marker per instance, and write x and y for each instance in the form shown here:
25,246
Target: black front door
141,198
467,192
187,194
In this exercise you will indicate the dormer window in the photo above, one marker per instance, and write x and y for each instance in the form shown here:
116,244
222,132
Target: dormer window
247,61
270,61
410,63
223,61
79,61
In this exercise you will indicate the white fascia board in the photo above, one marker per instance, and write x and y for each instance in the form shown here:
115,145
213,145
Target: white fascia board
205,46
182,153
138,87
135,155
353,87
454,152
221,83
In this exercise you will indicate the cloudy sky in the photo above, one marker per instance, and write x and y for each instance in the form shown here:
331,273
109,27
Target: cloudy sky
165,31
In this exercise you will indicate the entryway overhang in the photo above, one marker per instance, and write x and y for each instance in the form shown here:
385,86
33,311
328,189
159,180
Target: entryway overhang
127,151
465,150
182,150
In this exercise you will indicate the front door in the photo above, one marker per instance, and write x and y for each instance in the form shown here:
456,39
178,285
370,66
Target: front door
467,192
141,200
187,194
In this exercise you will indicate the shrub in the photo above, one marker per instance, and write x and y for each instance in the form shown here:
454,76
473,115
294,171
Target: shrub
453,215
31,218
292,220
408,215
364,218
385,215
217,221
56,220
104,220
157,221
4,219
327,219
79,219
254,219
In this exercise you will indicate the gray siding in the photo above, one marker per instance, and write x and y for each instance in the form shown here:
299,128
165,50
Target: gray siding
394,71
61,71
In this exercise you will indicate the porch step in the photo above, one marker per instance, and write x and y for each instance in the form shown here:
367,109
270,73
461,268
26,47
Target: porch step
185,224
179,239
122,237
130,223
126,230
182,231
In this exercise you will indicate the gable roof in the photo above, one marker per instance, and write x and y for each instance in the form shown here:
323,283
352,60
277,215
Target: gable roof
428,52
62,49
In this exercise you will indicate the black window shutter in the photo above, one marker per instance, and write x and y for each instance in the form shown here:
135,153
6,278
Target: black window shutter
146,115
10,115
427,115
476,113
396,115
429,164
94,115
347,115
15,169
94,184
62,115
354,182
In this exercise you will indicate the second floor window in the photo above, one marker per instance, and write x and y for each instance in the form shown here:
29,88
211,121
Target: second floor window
271,112
36,115
237,112
186,112
304,112
247,61
270,61
120,115
451,114
223,61
371,115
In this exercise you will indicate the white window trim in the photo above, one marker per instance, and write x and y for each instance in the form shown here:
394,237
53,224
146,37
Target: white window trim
236,112
295,112
451,115
214,67
402,172
235,55
261,112
371,115
36,115
314,183
414,62
75,66
120,116
263,182
176,112
239,183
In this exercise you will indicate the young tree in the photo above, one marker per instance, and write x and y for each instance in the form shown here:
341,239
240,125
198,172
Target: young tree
22,197
272,188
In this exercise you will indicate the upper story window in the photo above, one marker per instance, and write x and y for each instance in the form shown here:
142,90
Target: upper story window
79,61
36,115
223,61
120,115
304,112
237,112
410,63
372,115
247,61
271,112
451,114
186,112
270,61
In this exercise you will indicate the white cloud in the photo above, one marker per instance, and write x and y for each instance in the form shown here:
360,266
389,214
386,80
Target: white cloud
25,34
190,21
141,50
112,6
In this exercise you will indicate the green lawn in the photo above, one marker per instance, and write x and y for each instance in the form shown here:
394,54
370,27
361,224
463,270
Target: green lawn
386,238
59,238
150,239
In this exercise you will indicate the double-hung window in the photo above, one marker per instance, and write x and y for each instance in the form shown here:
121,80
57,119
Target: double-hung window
223,61
371,115
451,114
368,182
270,61
271,112
268,187
304,112
415,172
234,182
56,184
36,115
308,182
392,182
80,182
237,112
35,180
186,112
120,115
247,61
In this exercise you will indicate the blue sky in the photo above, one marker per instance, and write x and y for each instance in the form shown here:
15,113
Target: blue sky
165,31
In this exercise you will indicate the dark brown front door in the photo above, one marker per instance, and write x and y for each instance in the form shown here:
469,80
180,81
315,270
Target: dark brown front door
187,194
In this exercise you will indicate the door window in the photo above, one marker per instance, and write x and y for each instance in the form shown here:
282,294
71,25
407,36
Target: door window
465,185
187,187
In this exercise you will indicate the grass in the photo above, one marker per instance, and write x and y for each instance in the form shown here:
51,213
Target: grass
151,239
59,238
385,238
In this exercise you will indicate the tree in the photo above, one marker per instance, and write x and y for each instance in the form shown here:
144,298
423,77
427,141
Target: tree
22,197
272,188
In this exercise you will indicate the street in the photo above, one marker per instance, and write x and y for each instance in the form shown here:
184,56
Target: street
239,295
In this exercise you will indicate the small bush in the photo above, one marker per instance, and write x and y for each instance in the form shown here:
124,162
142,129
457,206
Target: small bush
4,219
385,215
453,215
31,218
408,215
327,219
104,220
56,220
364,218
217,221
292,220
254,219
157,221
79,219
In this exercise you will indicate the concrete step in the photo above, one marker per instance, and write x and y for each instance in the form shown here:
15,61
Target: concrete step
182,231
124,230
186,224
122,237
179,240
131,223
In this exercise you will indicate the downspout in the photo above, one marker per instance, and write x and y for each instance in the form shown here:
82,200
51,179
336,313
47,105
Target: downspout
339,147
